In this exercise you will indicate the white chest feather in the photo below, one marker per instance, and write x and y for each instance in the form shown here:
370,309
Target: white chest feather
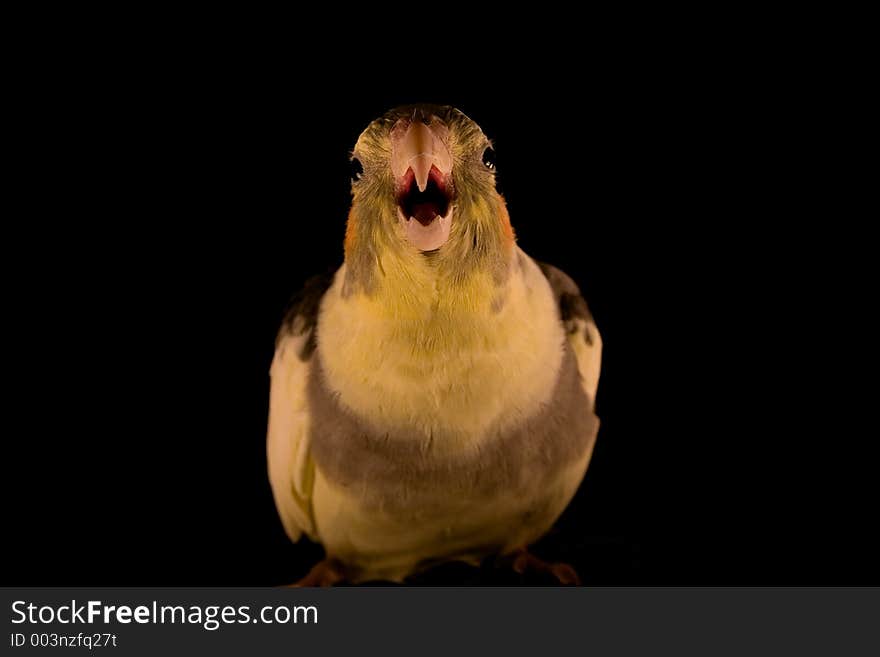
442,365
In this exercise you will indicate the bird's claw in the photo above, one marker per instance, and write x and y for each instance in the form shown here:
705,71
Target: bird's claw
327,572
524,561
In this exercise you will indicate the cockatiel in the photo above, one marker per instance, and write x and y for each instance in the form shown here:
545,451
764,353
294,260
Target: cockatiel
434,399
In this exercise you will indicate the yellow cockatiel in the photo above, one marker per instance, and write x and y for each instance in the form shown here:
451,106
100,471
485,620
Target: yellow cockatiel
432,400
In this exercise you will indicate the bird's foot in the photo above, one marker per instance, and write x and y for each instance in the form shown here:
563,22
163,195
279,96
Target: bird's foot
326,572
524,561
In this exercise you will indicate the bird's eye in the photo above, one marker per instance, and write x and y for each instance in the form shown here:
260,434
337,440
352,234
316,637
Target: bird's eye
357,169
489,158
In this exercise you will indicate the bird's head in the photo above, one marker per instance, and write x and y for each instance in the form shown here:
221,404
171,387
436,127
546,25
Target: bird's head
423,187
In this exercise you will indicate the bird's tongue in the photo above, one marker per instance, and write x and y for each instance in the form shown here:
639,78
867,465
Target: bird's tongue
425,213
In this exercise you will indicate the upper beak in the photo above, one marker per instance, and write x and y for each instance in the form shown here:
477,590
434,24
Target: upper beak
419,147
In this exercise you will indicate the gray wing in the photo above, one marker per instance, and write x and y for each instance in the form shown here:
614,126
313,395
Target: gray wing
583,335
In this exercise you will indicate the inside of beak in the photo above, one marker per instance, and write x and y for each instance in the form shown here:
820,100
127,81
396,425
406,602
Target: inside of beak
422,166
424,203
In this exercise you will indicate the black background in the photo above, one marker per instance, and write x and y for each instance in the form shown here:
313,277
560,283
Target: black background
168,211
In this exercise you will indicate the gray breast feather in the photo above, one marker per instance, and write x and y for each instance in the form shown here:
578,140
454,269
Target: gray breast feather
400,472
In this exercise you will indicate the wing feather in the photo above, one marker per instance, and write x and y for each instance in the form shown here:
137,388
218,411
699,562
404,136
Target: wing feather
583,335
291,468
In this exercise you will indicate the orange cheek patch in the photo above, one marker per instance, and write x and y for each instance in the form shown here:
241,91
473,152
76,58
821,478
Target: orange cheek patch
506,228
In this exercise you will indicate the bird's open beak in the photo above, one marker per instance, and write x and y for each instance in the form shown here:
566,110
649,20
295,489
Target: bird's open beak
422,168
